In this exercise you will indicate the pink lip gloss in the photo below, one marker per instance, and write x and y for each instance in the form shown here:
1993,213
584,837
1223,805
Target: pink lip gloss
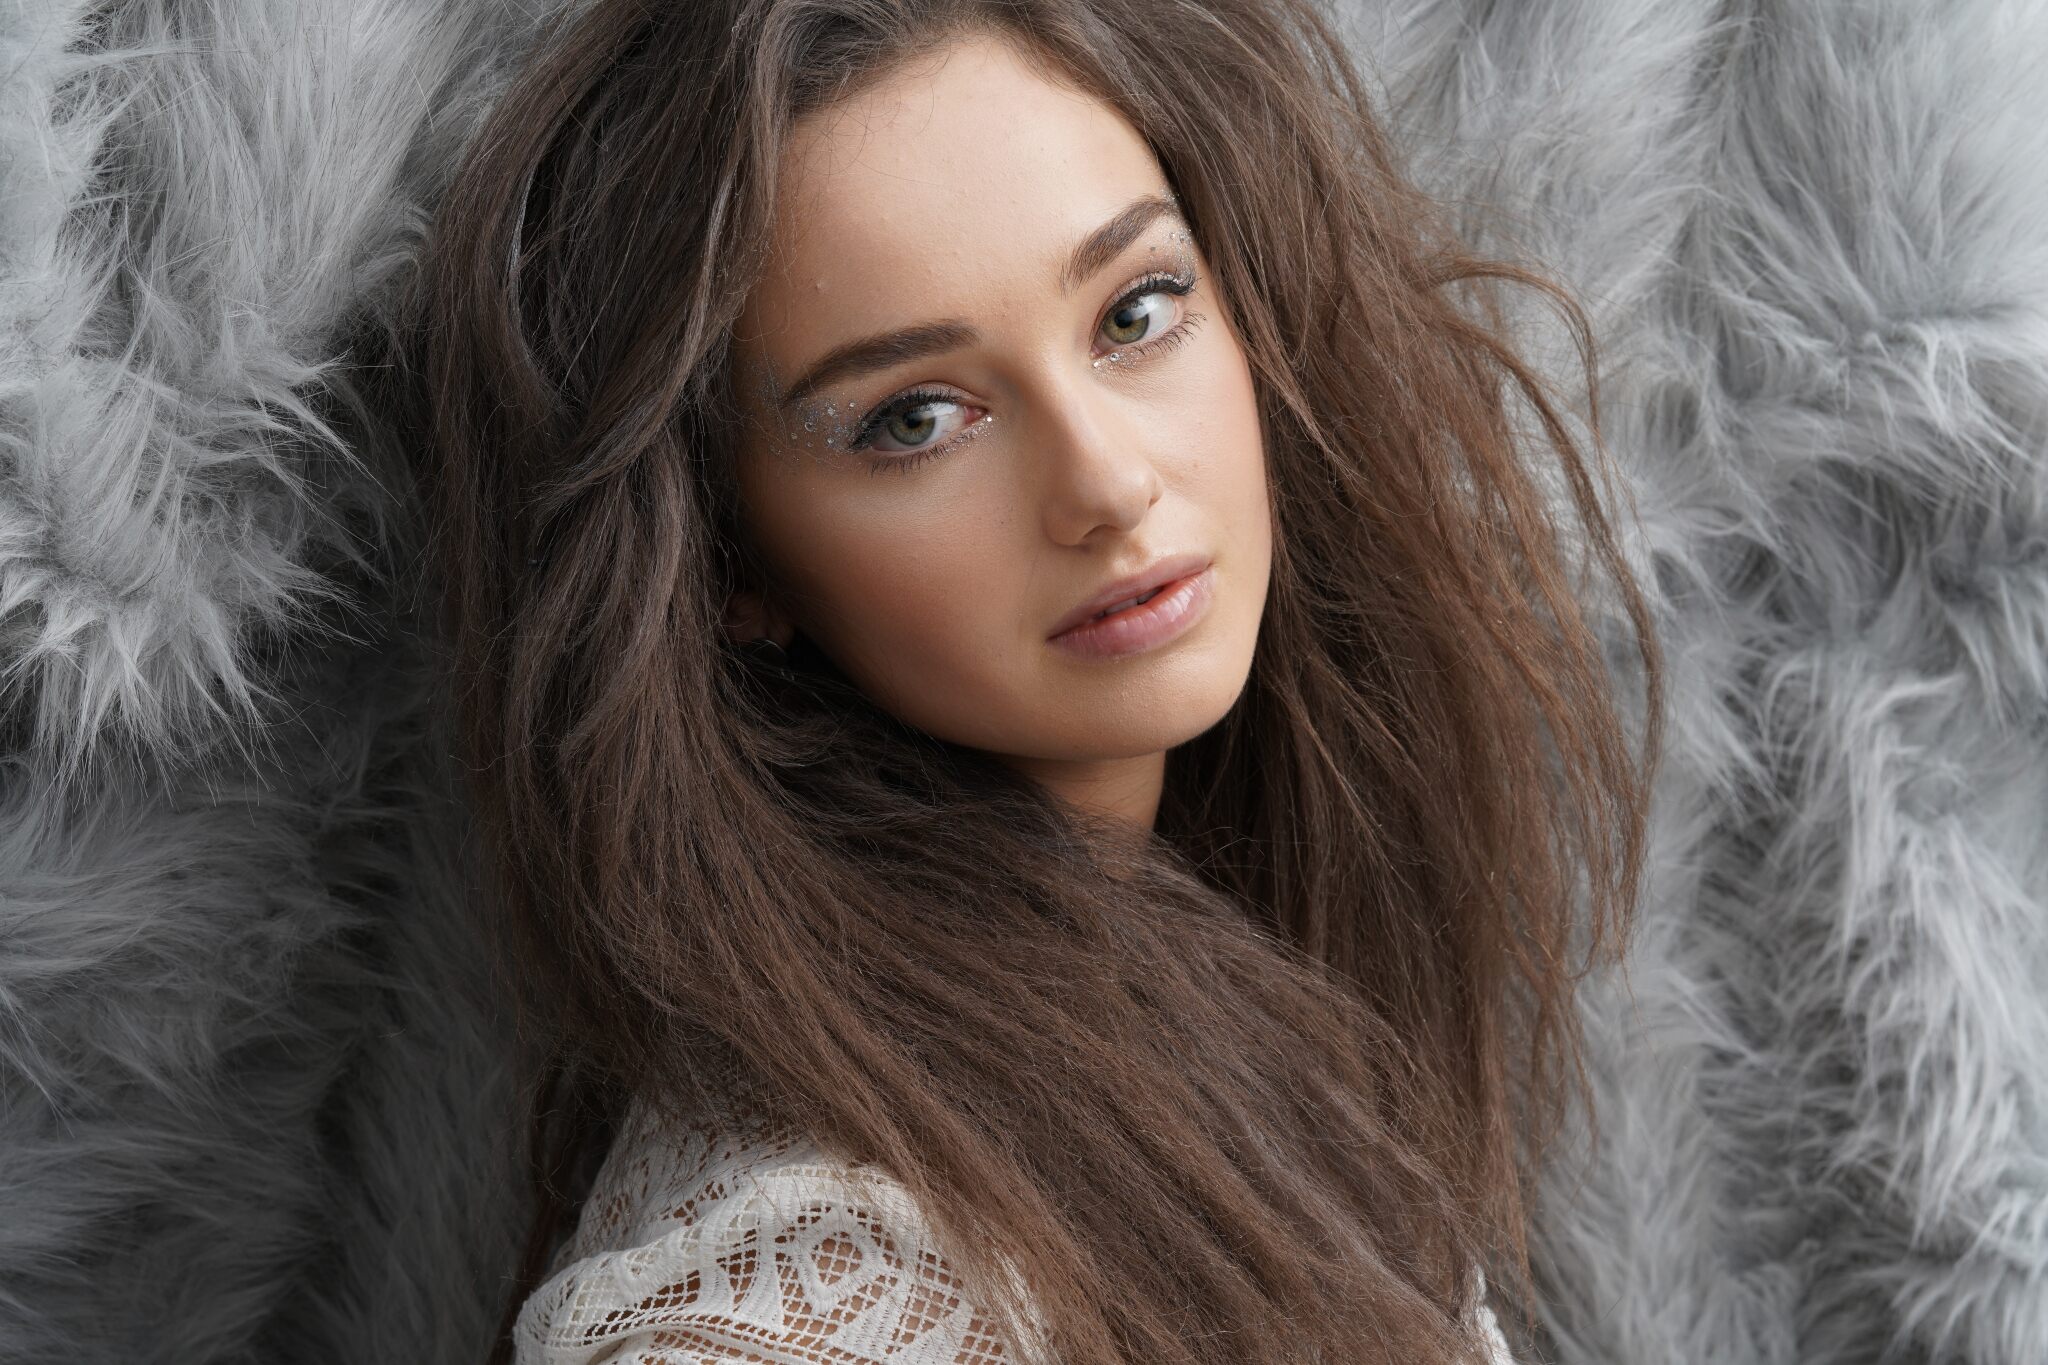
1167,615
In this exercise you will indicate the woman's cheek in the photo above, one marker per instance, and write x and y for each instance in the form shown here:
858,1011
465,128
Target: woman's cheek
898,594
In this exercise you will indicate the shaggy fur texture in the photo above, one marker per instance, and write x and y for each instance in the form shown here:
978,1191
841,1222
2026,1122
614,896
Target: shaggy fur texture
248,1075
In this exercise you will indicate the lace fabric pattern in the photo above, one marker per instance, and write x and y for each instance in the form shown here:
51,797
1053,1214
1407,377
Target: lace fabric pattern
746,1243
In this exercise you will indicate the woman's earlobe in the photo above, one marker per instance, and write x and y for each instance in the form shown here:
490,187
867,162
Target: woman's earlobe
748,616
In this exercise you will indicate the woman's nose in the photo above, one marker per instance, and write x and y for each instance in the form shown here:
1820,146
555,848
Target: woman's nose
1092,462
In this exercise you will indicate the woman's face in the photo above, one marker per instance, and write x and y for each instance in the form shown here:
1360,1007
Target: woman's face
932,509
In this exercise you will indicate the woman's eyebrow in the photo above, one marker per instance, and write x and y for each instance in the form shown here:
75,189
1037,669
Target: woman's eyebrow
882,350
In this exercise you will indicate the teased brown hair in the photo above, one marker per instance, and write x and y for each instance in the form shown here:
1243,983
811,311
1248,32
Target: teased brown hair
1260,1088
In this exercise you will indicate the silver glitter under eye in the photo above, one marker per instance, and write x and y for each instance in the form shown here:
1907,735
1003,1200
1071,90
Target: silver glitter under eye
819,424
834,425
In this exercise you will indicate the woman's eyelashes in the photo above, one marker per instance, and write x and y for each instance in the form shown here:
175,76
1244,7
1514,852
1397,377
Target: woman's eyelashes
1135,333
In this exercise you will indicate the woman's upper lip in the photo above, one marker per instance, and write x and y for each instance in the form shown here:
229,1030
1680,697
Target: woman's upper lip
1155,574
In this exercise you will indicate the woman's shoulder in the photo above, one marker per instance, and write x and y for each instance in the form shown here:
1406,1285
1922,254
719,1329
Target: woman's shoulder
738,1239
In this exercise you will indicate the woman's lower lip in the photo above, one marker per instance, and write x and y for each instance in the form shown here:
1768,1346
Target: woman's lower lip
1172,610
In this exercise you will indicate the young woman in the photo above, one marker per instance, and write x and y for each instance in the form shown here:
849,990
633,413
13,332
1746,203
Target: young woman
1036,716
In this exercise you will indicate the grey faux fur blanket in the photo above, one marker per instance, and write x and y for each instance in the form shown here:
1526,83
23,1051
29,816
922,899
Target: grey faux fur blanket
248,1079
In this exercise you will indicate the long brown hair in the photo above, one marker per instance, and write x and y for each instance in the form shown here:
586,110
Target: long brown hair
1262,1087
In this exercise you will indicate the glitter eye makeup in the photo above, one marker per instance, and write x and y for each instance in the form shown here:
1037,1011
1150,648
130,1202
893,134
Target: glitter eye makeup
877,421
840,428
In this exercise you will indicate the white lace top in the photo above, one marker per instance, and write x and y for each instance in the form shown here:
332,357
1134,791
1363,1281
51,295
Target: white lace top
748,1244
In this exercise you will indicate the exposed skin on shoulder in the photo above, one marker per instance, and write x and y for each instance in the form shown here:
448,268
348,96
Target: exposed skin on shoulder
1085,435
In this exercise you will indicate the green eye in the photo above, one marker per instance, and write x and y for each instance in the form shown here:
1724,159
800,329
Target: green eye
1126,316
893,421
1129,317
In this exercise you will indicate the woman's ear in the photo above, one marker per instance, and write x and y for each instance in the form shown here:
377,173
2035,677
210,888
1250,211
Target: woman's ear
750,616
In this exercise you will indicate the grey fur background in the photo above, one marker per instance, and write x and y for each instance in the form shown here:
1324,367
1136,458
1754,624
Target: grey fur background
249,1071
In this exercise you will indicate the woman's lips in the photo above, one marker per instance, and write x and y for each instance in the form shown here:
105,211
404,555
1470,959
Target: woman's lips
1169,613
1158,574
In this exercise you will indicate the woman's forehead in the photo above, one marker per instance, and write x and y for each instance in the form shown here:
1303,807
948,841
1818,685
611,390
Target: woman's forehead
939,178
